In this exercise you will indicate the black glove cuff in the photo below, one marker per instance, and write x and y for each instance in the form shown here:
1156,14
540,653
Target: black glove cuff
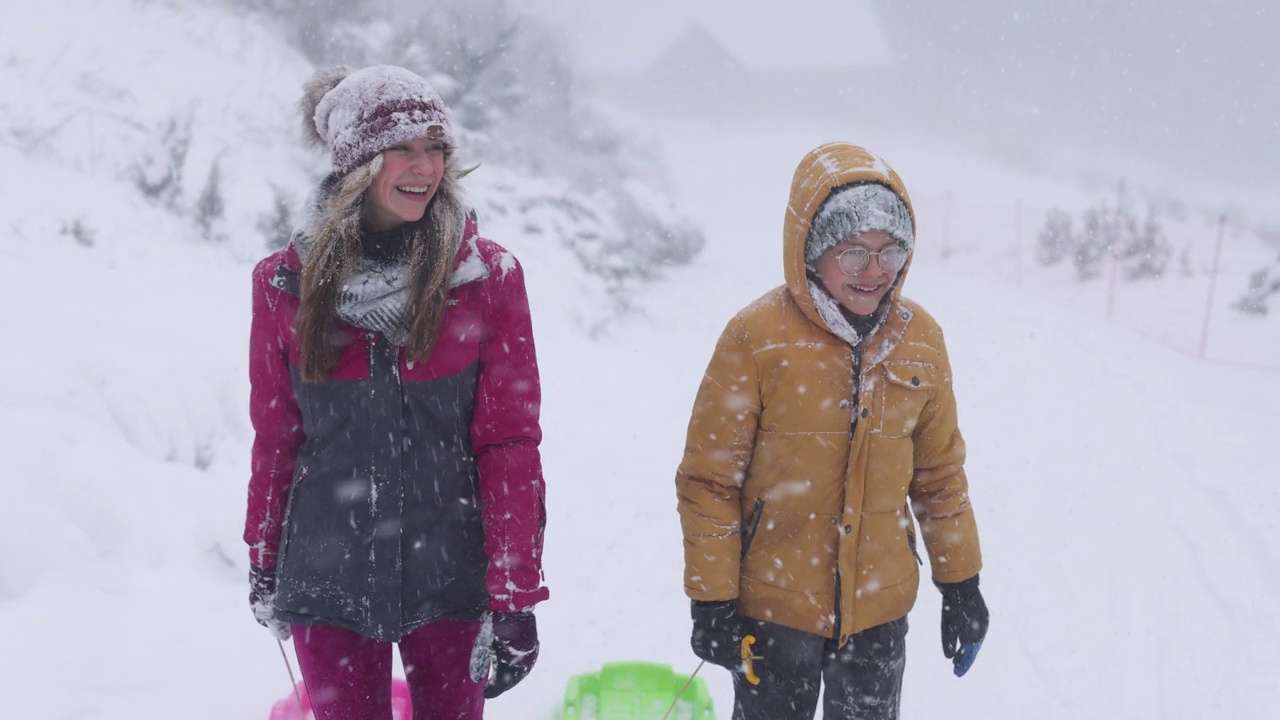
713,612
500,615
959,589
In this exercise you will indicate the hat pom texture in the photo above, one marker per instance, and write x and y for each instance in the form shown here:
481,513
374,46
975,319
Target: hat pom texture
855,209
358,114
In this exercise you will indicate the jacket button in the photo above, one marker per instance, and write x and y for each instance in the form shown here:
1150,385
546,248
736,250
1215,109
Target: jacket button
848,529
865,412
915,380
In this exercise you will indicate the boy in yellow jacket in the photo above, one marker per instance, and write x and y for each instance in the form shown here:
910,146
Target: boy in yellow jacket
825,420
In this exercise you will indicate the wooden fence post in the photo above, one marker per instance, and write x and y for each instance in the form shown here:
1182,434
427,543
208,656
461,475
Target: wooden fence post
1017,242
1213,282
946,228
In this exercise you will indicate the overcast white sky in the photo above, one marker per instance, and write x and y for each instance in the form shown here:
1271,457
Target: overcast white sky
797,34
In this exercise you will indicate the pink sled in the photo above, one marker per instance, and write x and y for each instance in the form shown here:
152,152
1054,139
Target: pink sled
288,709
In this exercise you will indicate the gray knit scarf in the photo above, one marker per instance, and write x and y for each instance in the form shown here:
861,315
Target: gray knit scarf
853,330
376,295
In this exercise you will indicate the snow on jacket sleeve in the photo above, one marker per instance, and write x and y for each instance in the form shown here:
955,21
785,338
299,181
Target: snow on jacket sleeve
505,434
277,421
718,450
939,490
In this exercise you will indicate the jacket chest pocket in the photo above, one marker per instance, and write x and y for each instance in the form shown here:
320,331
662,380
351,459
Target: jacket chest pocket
903,389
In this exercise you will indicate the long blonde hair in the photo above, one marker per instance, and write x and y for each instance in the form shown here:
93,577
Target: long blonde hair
334,255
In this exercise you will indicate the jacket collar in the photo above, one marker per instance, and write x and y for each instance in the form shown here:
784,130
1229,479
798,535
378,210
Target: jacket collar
881,345
468,265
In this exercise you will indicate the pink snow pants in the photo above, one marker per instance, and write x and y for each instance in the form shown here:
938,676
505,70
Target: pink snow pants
348,676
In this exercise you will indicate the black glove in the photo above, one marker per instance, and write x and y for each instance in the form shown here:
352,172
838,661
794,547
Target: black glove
515,650
717,633
964,622
262,600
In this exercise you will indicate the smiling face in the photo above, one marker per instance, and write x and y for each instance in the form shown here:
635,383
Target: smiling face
410,176
860,294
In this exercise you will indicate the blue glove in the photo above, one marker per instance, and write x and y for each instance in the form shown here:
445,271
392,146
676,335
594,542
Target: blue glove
965,656
964,623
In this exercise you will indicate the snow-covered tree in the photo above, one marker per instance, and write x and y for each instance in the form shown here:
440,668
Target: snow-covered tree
1108,231
1263,284
510,86
1056,240
210,206
1145,251
157,173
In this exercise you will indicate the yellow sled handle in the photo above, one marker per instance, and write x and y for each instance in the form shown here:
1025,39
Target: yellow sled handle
748,669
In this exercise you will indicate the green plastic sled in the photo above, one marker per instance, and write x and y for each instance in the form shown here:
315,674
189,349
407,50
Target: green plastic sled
635,691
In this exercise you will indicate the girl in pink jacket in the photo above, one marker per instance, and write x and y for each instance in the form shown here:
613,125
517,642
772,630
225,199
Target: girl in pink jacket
396,494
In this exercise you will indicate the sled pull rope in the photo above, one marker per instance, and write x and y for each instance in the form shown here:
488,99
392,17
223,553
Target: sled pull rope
687,683
292,683
748,669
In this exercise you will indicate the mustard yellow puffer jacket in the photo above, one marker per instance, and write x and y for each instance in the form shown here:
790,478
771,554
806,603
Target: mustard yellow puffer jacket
775,422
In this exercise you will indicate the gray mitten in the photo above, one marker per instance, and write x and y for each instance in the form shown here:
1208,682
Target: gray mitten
262,600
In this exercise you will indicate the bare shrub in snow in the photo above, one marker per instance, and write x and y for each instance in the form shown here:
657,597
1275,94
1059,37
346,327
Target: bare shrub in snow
276,225
1145,250
77,230
157,173
1056,240
1093,245
1262,285
210,206
1142,250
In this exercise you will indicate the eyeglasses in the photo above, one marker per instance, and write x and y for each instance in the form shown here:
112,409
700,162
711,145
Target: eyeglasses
856,259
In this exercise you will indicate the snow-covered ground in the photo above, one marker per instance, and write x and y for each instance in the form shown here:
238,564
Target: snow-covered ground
1125,492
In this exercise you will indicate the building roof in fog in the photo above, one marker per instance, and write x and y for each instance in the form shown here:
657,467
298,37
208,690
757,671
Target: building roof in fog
801,34
696,52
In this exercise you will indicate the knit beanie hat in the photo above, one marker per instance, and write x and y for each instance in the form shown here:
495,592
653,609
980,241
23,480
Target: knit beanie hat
357,114
855,209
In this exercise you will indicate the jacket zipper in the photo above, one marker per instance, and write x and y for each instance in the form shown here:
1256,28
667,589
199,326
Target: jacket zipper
911,536
750,525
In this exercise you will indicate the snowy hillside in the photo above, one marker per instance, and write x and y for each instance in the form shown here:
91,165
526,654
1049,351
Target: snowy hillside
1125,493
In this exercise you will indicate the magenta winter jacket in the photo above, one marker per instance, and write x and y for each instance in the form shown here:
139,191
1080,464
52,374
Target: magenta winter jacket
394,493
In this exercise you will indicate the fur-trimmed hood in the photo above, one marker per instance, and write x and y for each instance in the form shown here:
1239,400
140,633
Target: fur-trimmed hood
824,170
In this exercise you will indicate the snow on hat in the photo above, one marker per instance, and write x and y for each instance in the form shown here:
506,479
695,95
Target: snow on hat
357,114
856,209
